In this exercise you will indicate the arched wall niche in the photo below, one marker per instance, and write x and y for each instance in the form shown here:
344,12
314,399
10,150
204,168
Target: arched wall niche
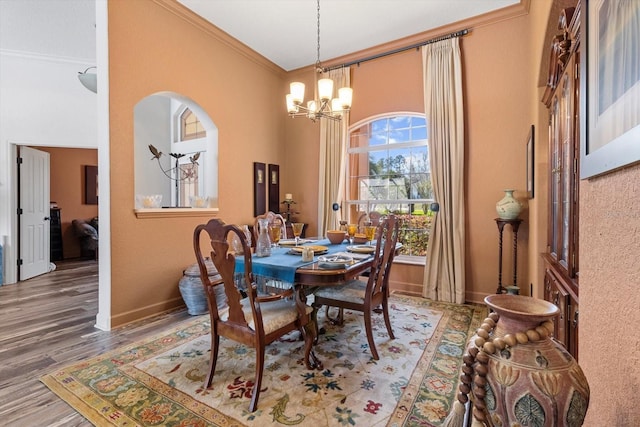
156,122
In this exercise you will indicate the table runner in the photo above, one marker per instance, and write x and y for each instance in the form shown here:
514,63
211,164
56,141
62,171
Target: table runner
281,265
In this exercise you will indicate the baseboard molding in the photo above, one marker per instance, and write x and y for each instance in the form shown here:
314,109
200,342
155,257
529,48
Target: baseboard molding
476,297
138,314
405,288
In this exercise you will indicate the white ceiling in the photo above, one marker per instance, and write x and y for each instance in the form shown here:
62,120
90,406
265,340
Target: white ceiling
57,28
284,31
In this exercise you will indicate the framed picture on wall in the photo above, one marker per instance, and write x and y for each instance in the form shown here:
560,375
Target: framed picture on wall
610,87
90,185
259,189
274,188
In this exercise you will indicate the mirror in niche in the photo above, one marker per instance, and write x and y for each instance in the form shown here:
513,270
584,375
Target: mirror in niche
176,153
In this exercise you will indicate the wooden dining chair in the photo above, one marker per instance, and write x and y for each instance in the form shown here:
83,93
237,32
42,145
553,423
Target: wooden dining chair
274,218
248,317
372,217
365,296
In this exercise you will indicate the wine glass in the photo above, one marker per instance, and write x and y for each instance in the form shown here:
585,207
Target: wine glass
275,231
370,232
351,231
297,230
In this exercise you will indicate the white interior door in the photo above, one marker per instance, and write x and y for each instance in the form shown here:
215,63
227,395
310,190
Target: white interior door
34,218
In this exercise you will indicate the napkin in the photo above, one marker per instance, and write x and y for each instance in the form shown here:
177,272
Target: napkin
353,255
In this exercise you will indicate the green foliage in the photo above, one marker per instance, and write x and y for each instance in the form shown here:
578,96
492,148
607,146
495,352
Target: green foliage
414,233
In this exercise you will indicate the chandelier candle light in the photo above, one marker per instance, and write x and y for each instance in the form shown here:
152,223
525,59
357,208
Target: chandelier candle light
325,105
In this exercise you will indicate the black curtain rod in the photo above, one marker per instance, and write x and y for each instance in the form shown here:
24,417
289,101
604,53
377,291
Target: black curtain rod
401,49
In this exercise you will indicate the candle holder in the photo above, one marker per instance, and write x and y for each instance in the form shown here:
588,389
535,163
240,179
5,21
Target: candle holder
288,213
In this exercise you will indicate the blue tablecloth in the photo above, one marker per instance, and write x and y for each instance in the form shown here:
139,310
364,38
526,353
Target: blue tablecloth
281,265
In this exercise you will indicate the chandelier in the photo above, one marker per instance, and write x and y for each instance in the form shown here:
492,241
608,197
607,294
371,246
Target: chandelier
324,105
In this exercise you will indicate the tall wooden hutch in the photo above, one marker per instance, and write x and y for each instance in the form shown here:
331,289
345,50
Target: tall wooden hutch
562,98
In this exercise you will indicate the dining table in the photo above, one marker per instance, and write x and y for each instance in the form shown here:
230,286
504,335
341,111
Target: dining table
331,265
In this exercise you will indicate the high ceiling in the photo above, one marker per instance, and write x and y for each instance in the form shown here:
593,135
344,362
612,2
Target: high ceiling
284,31
57,28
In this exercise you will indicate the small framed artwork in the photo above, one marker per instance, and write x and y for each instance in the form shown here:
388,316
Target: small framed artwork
531,161
274,188
90,185
610,87
259,189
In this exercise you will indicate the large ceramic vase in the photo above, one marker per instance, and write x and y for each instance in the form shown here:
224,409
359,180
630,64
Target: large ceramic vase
508,207
529,378
192,290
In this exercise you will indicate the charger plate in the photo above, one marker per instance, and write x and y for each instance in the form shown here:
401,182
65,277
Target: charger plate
317,249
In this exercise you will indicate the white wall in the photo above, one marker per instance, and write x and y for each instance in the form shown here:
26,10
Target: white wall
152,125
42,103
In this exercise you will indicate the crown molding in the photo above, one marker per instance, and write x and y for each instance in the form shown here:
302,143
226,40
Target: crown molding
489,18
216,33
45,57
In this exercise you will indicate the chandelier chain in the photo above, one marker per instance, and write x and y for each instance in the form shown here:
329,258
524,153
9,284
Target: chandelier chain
318,49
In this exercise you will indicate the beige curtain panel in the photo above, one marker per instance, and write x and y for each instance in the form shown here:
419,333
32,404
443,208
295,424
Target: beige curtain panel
333,148
444,276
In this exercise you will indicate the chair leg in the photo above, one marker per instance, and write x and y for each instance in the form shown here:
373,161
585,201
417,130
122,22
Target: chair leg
314,322
310,338
339,319
215,344
255,394
367,327
387,321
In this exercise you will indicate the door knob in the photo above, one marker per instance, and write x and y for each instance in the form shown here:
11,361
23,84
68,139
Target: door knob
46,218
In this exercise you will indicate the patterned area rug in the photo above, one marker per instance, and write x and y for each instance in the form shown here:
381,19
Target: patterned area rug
160,381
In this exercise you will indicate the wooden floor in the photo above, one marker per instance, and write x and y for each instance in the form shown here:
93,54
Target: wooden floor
48,322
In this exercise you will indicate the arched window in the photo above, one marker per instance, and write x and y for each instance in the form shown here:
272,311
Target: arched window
187,171
190,126
388,172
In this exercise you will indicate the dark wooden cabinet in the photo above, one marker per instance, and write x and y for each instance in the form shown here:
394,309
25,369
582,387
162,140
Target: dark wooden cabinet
562,97
55,224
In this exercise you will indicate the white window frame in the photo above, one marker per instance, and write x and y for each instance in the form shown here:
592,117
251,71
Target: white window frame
366,204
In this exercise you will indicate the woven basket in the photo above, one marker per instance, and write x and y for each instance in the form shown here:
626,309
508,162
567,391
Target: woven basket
192,290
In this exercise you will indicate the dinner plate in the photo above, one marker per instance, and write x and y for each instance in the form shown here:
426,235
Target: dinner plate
317,249
333,262
362,249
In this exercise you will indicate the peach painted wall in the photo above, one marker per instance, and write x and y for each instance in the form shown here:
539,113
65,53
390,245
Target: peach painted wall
236,88
67,190
500,80
302,169
609,296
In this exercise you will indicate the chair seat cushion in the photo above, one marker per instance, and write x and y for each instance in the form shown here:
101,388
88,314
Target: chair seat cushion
275,314
352,291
